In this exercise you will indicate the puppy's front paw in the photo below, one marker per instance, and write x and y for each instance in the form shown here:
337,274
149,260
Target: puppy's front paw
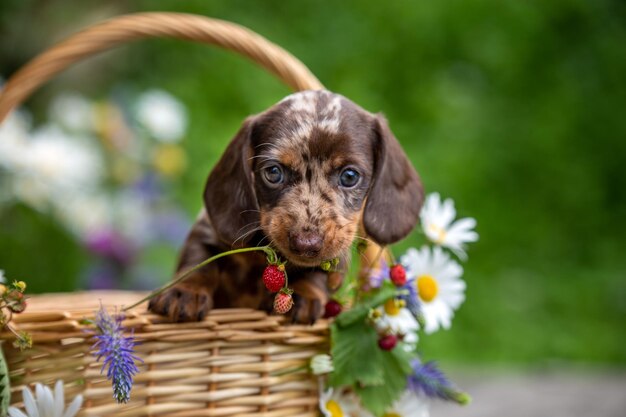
306,310
183,302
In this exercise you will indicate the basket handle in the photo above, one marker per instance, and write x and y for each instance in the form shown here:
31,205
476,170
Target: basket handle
119,30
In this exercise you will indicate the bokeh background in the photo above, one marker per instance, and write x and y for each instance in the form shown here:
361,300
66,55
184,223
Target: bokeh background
514,109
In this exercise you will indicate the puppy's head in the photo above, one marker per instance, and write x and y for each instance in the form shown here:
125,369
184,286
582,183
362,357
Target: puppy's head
309,172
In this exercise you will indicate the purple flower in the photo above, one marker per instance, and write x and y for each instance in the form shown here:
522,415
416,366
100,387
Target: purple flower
428,380
118,353
172,226
375,277
101,277
110,244
148,187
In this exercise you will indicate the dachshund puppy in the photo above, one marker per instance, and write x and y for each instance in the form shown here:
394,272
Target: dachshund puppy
307,176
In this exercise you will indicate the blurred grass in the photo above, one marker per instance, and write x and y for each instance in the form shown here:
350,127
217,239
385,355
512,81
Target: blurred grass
514,109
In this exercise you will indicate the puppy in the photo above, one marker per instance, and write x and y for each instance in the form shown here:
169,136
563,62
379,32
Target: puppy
307,176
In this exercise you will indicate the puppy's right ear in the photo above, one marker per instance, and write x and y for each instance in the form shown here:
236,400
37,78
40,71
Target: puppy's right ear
229,197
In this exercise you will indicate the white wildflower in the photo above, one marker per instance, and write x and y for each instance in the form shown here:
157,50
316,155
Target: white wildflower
163,116
73,112
46,403
321,364
437,223
437,281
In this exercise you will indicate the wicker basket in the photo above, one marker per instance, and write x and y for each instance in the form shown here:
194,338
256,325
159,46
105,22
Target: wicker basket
234,363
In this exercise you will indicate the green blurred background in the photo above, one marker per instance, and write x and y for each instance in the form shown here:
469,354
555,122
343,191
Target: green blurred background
514,109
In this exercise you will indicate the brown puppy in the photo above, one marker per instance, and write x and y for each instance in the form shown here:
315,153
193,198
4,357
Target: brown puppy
305,176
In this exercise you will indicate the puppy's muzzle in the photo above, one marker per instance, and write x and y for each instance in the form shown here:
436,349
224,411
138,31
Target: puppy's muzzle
307,244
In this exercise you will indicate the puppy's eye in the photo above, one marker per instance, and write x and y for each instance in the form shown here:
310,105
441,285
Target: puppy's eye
349,178
273,174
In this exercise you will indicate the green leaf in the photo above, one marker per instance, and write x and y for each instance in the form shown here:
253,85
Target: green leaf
395,366
356,355
5,386
360,312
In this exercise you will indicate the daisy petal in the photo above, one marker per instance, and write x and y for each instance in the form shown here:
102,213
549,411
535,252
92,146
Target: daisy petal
73,408
29,403
15,412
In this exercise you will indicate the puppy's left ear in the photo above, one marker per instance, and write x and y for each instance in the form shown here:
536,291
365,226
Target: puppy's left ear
396,194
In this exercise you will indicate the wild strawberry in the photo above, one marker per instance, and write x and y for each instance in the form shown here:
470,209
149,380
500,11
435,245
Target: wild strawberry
397,275
332,309
274,277
283,301
388,342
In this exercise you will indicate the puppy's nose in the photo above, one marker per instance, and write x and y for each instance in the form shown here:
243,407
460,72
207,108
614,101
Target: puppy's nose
306,243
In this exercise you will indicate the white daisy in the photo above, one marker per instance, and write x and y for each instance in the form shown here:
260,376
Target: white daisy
14,132
337,403
56,165
162,115
437,224
45,403
409,405
2,277
394,318
437,279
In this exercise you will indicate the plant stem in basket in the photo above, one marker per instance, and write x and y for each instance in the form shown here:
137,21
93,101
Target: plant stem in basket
268,251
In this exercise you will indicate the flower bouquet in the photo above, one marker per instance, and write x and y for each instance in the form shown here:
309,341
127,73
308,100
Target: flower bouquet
374,367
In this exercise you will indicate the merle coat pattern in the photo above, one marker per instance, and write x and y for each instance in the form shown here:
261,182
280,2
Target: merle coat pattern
307,176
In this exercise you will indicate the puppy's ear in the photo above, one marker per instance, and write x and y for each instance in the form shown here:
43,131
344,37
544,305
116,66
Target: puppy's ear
396,194
229,196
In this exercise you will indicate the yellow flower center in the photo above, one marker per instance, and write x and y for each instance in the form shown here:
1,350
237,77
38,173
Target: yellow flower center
440,233
392,307
334,409
427,288
391,415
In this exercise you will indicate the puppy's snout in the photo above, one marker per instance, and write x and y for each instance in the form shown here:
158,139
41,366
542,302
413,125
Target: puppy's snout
308,244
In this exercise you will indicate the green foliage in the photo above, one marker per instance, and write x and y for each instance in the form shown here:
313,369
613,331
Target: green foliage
395,368
360,311
356,355
379,377
5,385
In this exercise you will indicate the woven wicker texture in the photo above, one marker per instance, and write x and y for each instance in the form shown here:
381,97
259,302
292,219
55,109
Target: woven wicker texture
236,362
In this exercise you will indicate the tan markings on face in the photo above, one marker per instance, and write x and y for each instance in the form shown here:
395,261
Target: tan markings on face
311,206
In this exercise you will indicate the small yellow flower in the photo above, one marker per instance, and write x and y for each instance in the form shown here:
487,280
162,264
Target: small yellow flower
20,285
170,160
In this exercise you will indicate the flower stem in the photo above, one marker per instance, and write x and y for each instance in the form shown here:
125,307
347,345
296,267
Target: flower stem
268,251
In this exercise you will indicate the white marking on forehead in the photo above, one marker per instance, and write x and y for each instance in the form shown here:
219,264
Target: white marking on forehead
329,125
302,109
333,107
305,102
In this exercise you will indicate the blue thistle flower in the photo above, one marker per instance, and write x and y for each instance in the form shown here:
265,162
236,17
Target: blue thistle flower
428,380
118,353
410,296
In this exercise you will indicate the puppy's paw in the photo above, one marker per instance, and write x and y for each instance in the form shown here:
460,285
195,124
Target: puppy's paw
183,302
306,310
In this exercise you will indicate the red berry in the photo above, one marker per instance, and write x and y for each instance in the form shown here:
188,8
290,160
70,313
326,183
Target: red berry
274,277
388,342
332,309
397,275
283,302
